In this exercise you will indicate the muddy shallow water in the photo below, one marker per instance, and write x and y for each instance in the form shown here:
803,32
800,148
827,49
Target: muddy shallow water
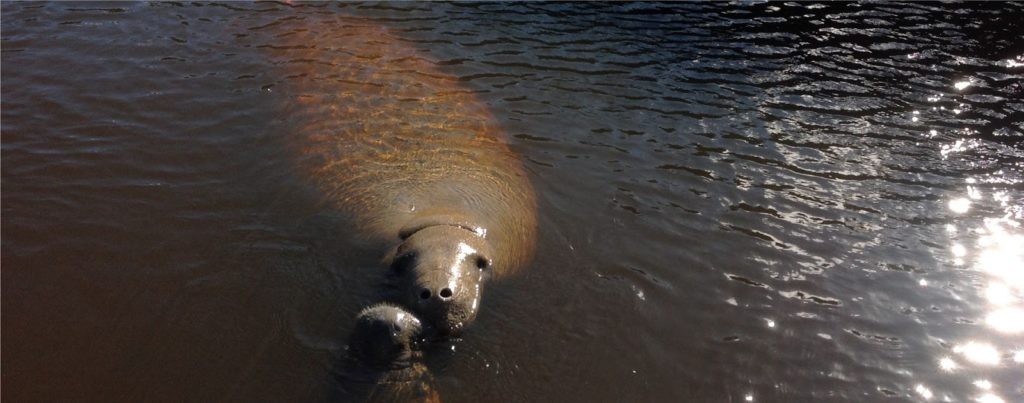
746,202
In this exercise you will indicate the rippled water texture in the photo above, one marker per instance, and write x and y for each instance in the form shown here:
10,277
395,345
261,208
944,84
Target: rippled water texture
748,202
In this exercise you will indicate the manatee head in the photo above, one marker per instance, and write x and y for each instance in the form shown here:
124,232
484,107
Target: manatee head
383,364
383,337
438,272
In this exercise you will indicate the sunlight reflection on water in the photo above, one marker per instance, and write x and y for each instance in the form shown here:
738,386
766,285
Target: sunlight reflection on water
998,253
987,239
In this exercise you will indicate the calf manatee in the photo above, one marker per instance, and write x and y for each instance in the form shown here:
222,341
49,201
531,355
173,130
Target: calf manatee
382,363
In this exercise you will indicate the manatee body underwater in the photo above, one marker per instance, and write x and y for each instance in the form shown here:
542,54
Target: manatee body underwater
418,164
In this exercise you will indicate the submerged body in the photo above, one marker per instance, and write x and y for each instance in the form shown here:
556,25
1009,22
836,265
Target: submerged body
415,160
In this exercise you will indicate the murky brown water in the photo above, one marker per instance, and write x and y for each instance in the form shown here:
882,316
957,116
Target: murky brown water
752,202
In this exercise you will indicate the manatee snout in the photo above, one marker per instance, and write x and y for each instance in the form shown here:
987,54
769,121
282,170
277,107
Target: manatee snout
384,335
440,272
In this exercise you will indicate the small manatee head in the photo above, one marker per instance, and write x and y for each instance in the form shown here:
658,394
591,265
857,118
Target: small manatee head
383,336
382,363
439,272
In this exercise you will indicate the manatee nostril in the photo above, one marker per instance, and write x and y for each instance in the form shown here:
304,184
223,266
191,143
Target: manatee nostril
446,293
425,294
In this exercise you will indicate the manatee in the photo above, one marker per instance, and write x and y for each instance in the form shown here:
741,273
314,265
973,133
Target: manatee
383,337
382,363
416,161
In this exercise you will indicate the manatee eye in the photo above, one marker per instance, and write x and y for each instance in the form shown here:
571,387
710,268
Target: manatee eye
481,262
403,263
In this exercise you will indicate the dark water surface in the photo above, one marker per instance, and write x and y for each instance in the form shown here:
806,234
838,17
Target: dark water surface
748,202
